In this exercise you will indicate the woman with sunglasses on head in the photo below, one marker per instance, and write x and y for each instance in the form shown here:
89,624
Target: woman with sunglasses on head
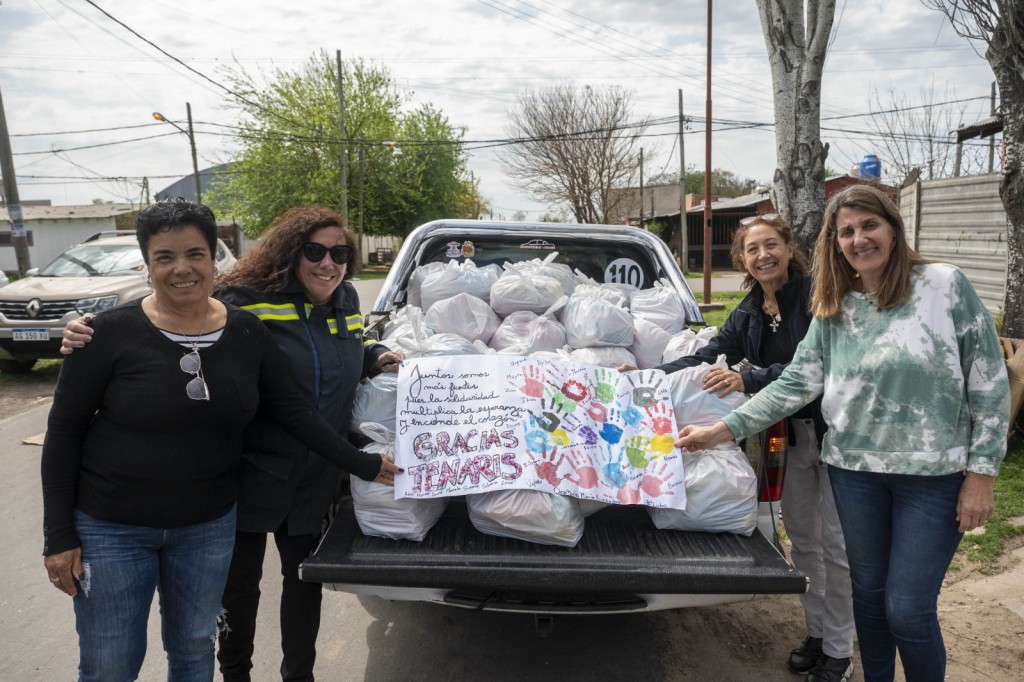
143,443
765,329
914,389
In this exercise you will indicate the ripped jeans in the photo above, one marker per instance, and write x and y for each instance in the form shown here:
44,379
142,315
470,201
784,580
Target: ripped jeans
124,565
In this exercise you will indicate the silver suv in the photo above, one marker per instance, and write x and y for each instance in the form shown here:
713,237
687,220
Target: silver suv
103,271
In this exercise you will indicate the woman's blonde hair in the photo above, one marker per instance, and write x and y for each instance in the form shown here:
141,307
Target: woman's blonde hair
833,275
798,263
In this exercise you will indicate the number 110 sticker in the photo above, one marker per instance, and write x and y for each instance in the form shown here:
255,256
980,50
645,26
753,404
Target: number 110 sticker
624,271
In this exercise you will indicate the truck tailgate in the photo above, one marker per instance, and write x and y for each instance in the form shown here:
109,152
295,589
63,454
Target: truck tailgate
621,551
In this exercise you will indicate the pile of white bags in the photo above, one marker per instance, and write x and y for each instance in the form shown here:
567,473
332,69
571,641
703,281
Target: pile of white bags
549,268
457,278
721,494
401,324
532,515
377,511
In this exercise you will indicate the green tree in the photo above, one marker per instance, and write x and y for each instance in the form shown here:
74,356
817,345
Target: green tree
724,183
413,168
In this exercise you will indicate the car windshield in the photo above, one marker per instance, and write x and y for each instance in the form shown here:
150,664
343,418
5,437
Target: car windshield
96,260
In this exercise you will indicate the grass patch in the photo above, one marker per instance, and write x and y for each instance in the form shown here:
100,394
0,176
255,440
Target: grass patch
1009,491
730,299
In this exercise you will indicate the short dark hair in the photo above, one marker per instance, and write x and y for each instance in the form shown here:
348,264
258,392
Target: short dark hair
171,214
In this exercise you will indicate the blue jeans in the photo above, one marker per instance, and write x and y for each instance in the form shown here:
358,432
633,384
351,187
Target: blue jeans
901,533
123,565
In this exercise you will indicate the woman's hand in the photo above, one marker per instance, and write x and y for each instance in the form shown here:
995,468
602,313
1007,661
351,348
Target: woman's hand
387,471
722,382
976,503
64,569
77,333
627,368
693,438
388,362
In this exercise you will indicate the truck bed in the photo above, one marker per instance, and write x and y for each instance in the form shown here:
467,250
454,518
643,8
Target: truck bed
620,555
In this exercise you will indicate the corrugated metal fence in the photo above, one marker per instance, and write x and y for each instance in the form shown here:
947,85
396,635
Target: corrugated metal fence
961,221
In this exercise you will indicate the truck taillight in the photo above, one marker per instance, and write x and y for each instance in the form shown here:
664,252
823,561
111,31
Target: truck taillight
774,462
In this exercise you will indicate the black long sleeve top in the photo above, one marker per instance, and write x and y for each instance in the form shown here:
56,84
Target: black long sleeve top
125,444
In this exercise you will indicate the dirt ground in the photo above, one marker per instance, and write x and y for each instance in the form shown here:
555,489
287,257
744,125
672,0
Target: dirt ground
981,608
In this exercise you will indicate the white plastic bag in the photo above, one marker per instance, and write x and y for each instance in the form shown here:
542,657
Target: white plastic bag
458,278
687,342
532,515
416,279
605,356
523,289
549,268
610,292
463,314
695,405
649,341
531,332
378,512
660,305
402,321
591,320
721,494
376,401
432,346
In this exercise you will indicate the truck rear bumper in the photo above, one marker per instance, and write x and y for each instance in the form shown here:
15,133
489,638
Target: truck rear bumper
621,553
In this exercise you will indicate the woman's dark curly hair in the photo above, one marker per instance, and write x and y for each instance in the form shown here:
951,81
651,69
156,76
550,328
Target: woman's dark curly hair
269,264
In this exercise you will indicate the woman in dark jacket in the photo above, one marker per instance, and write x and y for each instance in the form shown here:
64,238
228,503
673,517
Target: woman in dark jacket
294,280
765,329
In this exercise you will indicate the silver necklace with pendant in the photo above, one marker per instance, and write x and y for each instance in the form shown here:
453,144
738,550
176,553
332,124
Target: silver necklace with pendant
776,318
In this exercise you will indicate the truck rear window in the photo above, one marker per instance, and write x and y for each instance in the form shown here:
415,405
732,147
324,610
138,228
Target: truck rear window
605,260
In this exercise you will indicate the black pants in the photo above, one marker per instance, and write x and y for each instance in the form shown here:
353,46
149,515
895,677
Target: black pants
300,607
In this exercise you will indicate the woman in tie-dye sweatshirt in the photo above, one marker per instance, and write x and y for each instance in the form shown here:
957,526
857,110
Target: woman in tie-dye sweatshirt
915,396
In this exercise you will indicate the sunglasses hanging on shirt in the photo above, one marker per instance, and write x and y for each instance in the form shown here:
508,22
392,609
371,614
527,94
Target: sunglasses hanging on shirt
314,252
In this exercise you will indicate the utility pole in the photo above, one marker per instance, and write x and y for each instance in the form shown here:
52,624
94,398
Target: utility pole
18,236
684,237
641,188
195,161
342,147
362,176
707,173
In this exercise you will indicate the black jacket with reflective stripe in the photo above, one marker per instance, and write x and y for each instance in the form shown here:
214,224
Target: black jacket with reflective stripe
280,478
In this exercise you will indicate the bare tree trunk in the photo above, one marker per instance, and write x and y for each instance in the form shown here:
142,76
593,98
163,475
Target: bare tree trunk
796,52
1011,188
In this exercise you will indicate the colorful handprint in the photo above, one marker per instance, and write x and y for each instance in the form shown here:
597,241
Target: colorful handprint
586,474
636,451
532,385
655,479
547,466
607,380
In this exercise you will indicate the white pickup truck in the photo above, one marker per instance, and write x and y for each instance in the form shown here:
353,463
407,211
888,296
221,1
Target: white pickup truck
622,563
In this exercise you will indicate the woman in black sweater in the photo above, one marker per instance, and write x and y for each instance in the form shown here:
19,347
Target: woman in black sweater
142,445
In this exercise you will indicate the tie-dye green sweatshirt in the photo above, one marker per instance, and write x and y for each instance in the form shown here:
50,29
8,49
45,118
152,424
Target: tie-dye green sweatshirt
918,389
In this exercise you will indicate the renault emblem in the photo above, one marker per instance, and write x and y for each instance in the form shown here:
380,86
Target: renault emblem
33,308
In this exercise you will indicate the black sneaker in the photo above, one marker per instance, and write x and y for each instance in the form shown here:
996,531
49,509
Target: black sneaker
803,659
831,670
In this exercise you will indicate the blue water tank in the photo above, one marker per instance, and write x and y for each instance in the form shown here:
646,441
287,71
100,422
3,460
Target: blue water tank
871,167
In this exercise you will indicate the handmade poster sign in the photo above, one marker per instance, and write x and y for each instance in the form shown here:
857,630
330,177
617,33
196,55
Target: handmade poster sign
470,424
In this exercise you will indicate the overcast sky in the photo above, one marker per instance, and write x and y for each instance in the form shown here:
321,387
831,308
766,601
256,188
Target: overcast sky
65,66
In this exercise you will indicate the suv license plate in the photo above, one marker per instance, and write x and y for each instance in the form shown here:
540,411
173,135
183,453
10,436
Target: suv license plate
31,335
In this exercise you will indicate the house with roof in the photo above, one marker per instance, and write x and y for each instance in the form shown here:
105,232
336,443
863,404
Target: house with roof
51,229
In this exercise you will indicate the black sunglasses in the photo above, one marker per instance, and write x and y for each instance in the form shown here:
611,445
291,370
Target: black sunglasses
315,253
